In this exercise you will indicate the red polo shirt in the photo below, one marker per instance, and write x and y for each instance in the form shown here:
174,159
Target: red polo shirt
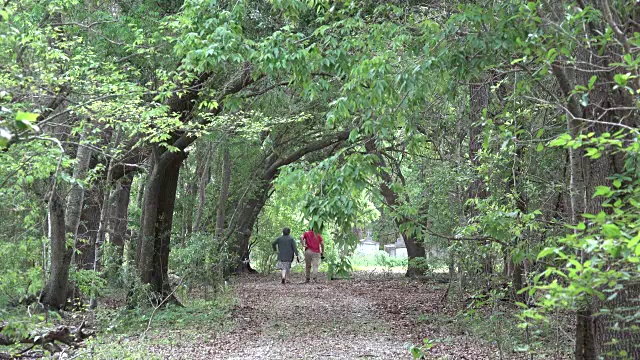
313,240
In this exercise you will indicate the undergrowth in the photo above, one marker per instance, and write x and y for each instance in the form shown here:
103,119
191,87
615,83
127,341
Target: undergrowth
130,333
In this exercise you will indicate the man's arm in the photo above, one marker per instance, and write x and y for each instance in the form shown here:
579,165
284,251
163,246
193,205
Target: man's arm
322,247
303,242
273,244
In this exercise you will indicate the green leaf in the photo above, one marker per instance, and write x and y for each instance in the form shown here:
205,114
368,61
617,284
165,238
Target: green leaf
602,191
31,117
611,230
592,82
561,140
575,263
546,252
540,147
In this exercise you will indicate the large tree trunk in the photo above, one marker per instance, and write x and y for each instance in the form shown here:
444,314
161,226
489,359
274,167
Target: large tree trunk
415,251
156,224
55,290
224,193
478,103
479,100
152,258
599,333
61,223
119,214
88,229
246,222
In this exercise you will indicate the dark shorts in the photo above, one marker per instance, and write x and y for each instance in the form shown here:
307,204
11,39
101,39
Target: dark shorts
284,265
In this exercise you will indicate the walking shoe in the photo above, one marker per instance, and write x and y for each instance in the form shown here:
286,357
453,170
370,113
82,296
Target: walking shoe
306,281
283,281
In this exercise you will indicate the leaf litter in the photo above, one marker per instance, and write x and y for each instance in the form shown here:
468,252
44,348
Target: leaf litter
362,318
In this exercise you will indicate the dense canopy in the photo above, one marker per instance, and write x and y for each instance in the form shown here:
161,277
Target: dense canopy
147,146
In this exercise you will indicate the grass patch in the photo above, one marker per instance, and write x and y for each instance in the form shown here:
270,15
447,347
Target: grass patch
126,333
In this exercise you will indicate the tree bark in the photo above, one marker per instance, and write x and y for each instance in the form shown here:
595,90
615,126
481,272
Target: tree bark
55,291
598,333
61,223
119,214
160,191
88,229
104,219
156,224
248,216
203,182
224,193
478,103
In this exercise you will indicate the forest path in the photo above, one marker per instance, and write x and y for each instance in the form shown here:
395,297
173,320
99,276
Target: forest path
351,319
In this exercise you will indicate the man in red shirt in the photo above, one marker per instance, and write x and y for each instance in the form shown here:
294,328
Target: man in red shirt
313,250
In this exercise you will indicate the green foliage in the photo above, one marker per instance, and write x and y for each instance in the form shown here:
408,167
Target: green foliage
201,260
89,282
421,351
21,275
600,255
379,259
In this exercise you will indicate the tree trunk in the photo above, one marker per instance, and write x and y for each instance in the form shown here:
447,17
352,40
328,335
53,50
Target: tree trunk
55,290
479,101
585,335
119,215
61,223
248,216
88,229
156,224
415,250
224,193
104,219
203,182
599,333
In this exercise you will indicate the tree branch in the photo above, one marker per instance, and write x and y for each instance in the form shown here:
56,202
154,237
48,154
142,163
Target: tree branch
311,147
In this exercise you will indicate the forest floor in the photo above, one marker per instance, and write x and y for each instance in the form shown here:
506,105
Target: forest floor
372,316
362,318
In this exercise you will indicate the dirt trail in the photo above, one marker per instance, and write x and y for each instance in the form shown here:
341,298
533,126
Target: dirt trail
353,319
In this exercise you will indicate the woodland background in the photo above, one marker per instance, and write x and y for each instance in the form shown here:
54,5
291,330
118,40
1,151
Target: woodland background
154,145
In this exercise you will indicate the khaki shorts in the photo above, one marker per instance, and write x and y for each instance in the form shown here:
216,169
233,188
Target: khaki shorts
312,260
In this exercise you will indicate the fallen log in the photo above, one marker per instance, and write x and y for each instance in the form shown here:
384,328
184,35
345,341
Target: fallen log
49,339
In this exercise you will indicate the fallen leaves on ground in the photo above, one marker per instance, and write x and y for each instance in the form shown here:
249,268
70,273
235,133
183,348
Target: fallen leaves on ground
363,318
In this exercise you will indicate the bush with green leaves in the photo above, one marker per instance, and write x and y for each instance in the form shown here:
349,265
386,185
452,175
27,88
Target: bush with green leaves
21,272
201,260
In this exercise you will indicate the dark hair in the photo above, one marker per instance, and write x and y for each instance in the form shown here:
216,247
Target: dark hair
286,231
